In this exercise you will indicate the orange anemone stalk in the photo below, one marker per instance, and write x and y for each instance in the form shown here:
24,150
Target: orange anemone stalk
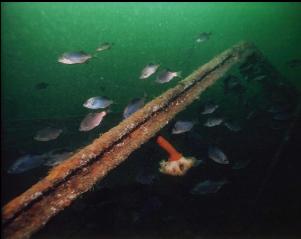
173,153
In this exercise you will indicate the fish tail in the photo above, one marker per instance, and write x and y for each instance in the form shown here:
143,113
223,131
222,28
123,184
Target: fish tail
95,55
109,110
179,74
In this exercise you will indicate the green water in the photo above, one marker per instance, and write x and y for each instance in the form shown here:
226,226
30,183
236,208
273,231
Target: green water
34,35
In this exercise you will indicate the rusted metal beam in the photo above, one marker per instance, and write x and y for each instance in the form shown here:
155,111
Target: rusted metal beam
30,211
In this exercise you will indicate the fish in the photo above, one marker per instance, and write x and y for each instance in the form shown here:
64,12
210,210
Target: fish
260,78
294,63
92,120
282,116
278,125
208,187
203,37
56,158
232,126
209,108
217,155
249,64
77,57
98,102
25,163
240,164
278,108
41,86
213,121
104,46
251,114
245,67
134,105
148,70
230,82
239,89
166,76
182,127
145,178
47,134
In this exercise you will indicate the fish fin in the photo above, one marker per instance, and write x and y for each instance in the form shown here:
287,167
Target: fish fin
179,74
195,121
95,56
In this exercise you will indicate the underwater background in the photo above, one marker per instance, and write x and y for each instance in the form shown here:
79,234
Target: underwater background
37,91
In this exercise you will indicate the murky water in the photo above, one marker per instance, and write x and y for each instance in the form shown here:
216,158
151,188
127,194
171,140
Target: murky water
39,92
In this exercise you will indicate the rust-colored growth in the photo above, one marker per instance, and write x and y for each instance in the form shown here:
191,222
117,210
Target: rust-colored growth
30,211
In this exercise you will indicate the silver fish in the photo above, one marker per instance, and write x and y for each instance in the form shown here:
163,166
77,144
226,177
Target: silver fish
74,57
217,155
47,134
182,127
134,105
97,102
209,108
104,46
213,121
204,36
166,76
57,158
92,120
148,70
25,163
232,126
208,187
